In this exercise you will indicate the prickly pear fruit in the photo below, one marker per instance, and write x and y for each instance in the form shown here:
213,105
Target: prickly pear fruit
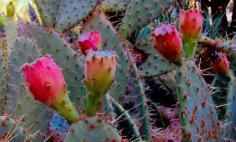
100,68
190,25
220,64
91,40
167,41
47,85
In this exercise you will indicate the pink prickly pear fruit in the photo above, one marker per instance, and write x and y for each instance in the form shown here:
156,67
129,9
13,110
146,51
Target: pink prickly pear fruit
45,80
221,64
190,23
91,40
100,69
167,41
47,85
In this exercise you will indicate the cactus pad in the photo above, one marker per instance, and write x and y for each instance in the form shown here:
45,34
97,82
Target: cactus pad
114,5
91,129
48,11
19,102
73,11
197,111
230,122
140,12
222,84
11,130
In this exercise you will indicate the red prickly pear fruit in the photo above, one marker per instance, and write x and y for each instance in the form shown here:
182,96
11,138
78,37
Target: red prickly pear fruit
190,23
47,85
221,64
100,71
167,41
91,40
45,80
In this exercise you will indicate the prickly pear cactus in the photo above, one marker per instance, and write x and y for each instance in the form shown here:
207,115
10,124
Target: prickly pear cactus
11,130
139,13
112,42
19,102
114,5
230,122
72,11
50,42
48,11
90,129
131,127
132,110
222,85
63,15
196,109
154,64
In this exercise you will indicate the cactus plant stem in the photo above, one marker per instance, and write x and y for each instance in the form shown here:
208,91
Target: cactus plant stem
66,109
179,61
189,48
93,103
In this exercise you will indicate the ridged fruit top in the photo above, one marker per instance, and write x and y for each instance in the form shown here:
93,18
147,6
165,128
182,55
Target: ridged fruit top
167,41
100,70
190,23
91,40
45,80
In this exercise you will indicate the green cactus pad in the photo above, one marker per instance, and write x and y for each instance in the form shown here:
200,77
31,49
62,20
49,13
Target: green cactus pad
222,85
138,97
51,43
114,5
48,10
154,64
230,122
19,102
112,42
140,13
11,130
73,11
196,109
129,123
5,46
92,129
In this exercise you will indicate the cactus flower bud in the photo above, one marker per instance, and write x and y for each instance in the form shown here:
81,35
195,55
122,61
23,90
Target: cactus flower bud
91,40
221,64
190,25
167,41
47,85
100,68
